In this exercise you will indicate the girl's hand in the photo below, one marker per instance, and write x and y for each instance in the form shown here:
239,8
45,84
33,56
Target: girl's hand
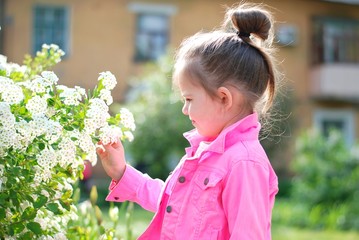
113,159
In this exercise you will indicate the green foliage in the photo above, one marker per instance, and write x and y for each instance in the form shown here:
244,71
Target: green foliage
159,143
89,223
46,133
326,181
48,57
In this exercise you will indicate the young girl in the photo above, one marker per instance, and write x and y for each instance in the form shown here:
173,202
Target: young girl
224,186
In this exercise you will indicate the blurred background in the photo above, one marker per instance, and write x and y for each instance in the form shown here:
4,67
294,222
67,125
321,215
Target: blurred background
312,140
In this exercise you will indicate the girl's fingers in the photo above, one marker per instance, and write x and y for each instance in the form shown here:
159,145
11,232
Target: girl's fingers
116,144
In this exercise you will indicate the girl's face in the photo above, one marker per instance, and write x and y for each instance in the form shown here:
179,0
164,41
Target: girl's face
204,111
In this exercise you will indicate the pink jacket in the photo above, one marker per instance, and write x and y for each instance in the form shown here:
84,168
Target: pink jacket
227,192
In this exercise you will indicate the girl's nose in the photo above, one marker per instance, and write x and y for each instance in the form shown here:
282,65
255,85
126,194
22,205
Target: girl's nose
185,109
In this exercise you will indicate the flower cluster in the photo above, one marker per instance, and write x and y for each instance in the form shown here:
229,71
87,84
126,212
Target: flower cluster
46,132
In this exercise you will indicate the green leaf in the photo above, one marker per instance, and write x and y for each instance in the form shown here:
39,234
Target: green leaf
34,227
16,228
40,201
53,207
41,146
2,72
2,213
28,214
66,205
27,235
68,128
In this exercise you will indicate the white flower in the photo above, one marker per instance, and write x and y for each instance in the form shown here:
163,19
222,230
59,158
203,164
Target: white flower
14,67
71,96
13,94
86,143
127,119
7,139
60,236
50,76
110,134
108,80
105,95
66,152
92,157
80,90
51,140
41,220
7,119
4,83
128,135
43,175
97,105
37,105
3,60
45,193
54,47
96,115
53,130
113,213
47,158
10,92
38,85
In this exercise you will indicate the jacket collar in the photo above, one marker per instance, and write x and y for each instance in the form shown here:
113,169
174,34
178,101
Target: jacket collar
245,129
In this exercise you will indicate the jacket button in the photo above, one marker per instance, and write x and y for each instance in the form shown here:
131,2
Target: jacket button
168,209
206,181
182,179
116,198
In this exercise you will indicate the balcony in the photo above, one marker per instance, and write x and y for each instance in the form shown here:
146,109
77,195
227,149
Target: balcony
338,82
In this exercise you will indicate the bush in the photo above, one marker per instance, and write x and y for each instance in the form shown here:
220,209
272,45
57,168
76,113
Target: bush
326,181
46,132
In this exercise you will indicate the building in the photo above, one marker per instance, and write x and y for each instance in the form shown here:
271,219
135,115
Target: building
318,42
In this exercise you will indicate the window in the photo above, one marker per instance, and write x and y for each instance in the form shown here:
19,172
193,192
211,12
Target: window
151,36
335,40
152,30
341,120
50,27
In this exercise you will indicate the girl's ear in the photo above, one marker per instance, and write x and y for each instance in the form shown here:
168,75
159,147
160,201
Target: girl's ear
226,97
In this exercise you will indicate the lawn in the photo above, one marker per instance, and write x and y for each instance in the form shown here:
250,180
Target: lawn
141,218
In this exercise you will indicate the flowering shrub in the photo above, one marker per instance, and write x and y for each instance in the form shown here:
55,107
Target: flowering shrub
46,131
326,179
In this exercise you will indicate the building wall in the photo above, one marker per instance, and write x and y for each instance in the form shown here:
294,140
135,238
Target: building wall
102,36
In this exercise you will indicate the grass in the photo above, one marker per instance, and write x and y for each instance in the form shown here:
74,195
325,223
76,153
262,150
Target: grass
283,213
141,219
291,233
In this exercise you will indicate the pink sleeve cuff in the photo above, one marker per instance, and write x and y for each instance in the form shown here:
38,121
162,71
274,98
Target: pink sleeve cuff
127,187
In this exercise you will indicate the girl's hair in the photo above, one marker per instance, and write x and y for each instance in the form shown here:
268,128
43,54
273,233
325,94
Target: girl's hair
239,54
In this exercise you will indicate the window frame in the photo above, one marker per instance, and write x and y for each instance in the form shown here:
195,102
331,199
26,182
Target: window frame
344,115
163,33
340,43
65,45
143,9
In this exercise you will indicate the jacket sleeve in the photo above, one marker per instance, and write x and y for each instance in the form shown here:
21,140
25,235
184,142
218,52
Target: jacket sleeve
248,198
136,187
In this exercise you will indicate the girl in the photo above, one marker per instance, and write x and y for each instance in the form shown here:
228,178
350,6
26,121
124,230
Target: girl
224,186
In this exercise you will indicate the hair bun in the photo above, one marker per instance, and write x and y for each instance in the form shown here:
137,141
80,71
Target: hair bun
251,20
